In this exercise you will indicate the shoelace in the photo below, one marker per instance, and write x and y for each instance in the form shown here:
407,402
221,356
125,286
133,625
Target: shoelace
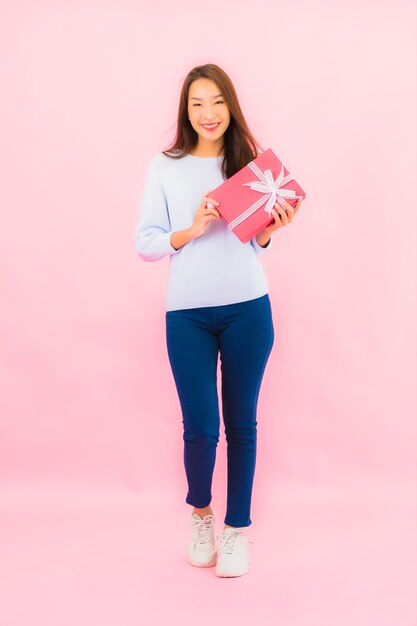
228,541
203,529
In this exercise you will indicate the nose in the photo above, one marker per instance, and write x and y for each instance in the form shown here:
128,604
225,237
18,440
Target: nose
208,113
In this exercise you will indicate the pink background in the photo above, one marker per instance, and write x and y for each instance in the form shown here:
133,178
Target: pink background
93,522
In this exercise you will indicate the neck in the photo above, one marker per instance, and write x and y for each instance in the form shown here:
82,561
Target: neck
208,149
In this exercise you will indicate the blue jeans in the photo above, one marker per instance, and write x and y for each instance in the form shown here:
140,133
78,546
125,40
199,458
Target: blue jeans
243,333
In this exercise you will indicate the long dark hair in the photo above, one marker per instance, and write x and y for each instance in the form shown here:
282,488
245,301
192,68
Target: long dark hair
240,147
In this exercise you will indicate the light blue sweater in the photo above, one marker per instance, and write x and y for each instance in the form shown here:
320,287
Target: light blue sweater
213,269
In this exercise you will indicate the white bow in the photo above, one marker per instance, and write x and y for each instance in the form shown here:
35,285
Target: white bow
270,188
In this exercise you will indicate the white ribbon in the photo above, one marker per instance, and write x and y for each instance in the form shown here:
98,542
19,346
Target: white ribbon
270,188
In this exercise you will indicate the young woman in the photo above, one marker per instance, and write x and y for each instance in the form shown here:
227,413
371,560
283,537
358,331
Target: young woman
217,302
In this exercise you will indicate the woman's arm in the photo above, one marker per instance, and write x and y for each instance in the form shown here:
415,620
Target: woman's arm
262,242
263,238
153,232
181,237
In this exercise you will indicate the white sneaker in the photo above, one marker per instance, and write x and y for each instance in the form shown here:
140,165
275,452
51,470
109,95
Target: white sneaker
233,556
202,543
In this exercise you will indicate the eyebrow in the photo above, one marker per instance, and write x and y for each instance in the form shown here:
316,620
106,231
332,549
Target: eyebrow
219,94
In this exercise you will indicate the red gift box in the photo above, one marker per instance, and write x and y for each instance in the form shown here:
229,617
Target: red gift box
247,197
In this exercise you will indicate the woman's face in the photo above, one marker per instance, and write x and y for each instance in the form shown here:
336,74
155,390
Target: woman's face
207,112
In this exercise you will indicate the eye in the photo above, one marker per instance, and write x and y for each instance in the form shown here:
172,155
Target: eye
197,104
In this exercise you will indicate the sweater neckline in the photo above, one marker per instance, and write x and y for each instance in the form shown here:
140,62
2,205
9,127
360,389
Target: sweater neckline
194,156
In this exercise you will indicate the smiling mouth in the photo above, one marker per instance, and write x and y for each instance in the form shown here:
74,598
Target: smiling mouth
210,126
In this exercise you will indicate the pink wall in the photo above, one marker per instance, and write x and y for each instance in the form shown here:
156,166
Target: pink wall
90,94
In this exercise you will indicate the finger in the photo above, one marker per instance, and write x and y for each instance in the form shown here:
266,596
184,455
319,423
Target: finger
210,217
290,211
280,209
210,200
213,212
276,218
283,215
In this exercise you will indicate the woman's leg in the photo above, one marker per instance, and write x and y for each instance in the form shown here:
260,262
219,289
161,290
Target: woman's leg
193,355
246,341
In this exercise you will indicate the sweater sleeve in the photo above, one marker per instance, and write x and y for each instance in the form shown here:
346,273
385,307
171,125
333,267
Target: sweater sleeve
259,249
153,231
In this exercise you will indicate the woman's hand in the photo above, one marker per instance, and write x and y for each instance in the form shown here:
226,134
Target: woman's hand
204,216
284,216
281,218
